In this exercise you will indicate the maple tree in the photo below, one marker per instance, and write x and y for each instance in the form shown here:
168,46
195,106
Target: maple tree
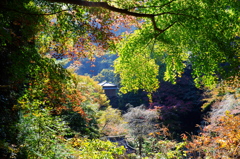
203,34
208,43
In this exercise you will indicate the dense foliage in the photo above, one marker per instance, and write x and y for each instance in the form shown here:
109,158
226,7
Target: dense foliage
41,103
203,34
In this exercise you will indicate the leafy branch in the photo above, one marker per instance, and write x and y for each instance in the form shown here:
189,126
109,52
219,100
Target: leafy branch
126,11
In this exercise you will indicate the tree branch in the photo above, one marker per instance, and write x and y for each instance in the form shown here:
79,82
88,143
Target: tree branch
103,5
165,29
155,25
161,6
123,11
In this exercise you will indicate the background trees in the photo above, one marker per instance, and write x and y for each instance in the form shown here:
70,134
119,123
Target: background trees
179,104
140,122
219,133
111,122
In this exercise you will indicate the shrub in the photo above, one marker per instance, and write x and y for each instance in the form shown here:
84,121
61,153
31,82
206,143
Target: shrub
40,135
95,149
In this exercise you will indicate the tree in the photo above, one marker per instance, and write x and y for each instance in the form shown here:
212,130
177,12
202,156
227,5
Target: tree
133,8
141,122
107,75
206,45
111,122
96,65
202,33
32,83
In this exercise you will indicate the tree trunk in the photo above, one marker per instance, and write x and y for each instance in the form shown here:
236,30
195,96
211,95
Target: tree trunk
140,140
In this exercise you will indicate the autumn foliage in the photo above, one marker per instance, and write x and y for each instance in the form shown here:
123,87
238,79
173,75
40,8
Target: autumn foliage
218,141
220,134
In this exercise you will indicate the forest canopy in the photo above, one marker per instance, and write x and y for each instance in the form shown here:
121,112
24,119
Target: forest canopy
201,34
